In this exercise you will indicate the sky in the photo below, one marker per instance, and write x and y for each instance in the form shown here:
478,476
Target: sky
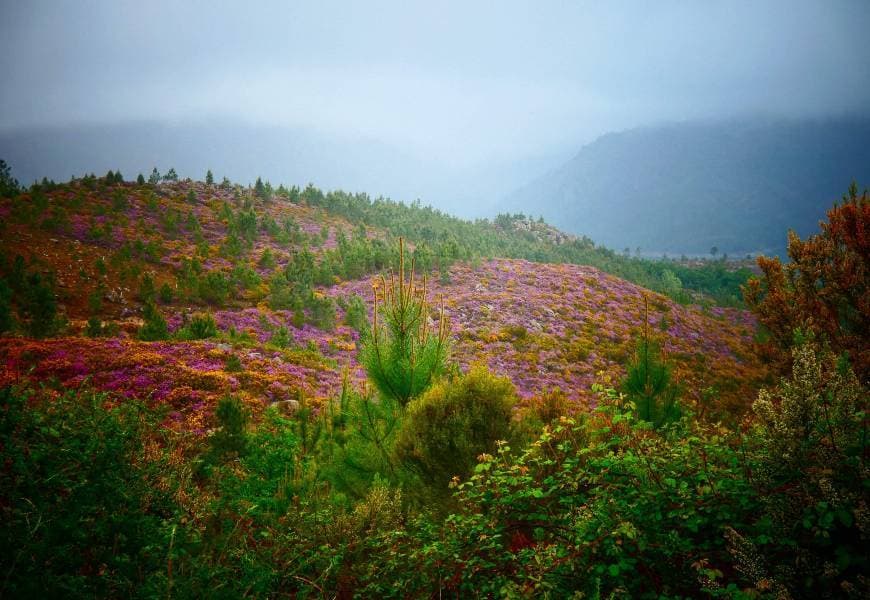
462,85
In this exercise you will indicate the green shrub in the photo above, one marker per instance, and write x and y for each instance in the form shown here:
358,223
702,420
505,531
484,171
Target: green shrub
39,305
154,326
323,313
213,288
356,315
455,421
200,327
281,338
82,514
7,321
231,439
165,293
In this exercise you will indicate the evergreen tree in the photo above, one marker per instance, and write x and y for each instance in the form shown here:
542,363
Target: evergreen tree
209,178
648,382
6,320
155,177
403,353
141,179
40,306
154,327
8,184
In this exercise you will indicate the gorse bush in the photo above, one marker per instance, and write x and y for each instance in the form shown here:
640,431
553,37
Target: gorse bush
452,423
403,353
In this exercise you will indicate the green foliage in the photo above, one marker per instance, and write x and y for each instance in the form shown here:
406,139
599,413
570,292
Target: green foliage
8,184
82,514
154,178
213,288
360,447
323,313
231,439
154,326
648,386
452,423
7,320
38,304
403,353
811,437
199,327
147,292
165,293
140,180
209,178
356,315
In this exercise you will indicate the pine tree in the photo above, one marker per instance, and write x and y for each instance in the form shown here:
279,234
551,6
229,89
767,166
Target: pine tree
8,184
154,328
155,177
648,382
141,179
209,178
403,353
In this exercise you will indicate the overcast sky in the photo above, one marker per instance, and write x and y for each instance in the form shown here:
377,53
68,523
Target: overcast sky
466,82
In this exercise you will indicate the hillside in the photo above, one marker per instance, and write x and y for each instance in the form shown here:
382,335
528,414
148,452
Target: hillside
208,390
738,185
245,257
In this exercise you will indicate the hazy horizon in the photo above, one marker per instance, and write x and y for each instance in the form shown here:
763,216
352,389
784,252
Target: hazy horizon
454,103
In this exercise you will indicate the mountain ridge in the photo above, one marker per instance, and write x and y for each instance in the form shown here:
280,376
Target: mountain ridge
735,184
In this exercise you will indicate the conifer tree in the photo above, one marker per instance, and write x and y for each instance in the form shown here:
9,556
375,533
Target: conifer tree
141,179
404,352
648,382
209,178
154,178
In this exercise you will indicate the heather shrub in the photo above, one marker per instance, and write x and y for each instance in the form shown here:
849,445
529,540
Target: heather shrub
811,437
452,423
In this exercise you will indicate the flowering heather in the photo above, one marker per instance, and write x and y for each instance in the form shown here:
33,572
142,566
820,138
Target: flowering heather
565,326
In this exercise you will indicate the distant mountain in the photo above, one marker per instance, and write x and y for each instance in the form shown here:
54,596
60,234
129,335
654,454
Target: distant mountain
685,187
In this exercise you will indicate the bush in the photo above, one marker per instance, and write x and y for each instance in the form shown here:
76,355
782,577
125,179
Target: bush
154,327
822,289
82,515
6,319
356,316
323,313
200,327
454,422
39,306
231,439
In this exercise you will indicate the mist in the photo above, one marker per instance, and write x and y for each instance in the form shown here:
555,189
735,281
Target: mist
452,102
